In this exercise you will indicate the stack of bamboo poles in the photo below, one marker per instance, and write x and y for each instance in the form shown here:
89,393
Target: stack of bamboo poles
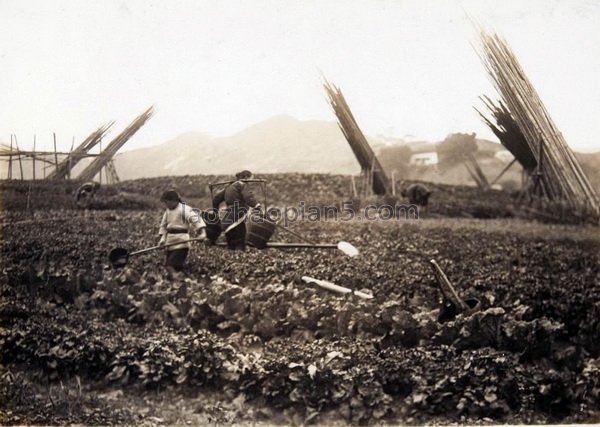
508,132
475,171
359,144
558,172
64,167
99,162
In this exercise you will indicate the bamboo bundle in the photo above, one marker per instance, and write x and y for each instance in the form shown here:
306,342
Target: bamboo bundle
503,171
19,158
99,162
358,143
475,171
33,159
65,166
10,159
508,132
557,170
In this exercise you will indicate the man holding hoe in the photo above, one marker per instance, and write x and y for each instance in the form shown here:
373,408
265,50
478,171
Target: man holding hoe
175,227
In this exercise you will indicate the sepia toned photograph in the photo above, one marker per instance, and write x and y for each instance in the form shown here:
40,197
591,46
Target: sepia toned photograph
299,212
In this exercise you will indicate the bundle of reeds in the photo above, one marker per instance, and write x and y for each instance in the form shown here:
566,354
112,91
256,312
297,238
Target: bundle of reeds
99,162
557,171
359,144
64,167
508,132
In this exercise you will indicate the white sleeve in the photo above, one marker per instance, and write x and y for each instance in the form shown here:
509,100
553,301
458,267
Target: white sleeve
163,225
194,218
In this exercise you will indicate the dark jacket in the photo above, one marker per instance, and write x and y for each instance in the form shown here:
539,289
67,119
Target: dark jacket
86,190
238,197
418,194
239,192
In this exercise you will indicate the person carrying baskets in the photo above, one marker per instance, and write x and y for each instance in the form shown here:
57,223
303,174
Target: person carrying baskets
240,202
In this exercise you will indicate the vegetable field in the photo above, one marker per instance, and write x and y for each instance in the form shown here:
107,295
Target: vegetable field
238,338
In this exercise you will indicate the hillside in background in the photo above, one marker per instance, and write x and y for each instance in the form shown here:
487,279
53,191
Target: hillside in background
590,162
279,144
283,144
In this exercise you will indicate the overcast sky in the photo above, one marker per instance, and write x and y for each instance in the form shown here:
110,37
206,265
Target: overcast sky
407,68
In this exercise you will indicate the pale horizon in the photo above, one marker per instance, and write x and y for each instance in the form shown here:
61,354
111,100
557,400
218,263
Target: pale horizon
405,67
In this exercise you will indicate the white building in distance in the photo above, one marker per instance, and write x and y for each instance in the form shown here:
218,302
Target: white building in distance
428,158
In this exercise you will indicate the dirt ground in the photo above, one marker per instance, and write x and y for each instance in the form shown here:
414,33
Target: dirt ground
240,339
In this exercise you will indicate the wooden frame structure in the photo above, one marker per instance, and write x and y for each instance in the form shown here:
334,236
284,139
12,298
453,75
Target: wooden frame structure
62,169
34,156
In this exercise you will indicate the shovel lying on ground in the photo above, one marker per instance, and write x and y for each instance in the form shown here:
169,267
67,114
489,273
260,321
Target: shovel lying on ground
345,247
260,229
118,257
336,288
293,233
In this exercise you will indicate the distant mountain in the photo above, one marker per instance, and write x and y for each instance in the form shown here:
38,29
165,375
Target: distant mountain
285,144
279,144
590,163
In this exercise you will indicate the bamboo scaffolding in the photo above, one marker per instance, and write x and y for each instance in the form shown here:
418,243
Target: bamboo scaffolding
66,165
478,174
111,173
26,153
55,153
474,175
19,158
10,158
357,141
111,149
503,171
525,128
100,173
33,158
70,158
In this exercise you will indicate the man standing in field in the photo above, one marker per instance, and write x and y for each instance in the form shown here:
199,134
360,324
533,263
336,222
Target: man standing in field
175,227
239,199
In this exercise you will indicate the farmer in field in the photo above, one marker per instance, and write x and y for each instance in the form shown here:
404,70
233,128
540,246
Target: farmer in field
213,225
418,194
240,200
85,193
177,222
